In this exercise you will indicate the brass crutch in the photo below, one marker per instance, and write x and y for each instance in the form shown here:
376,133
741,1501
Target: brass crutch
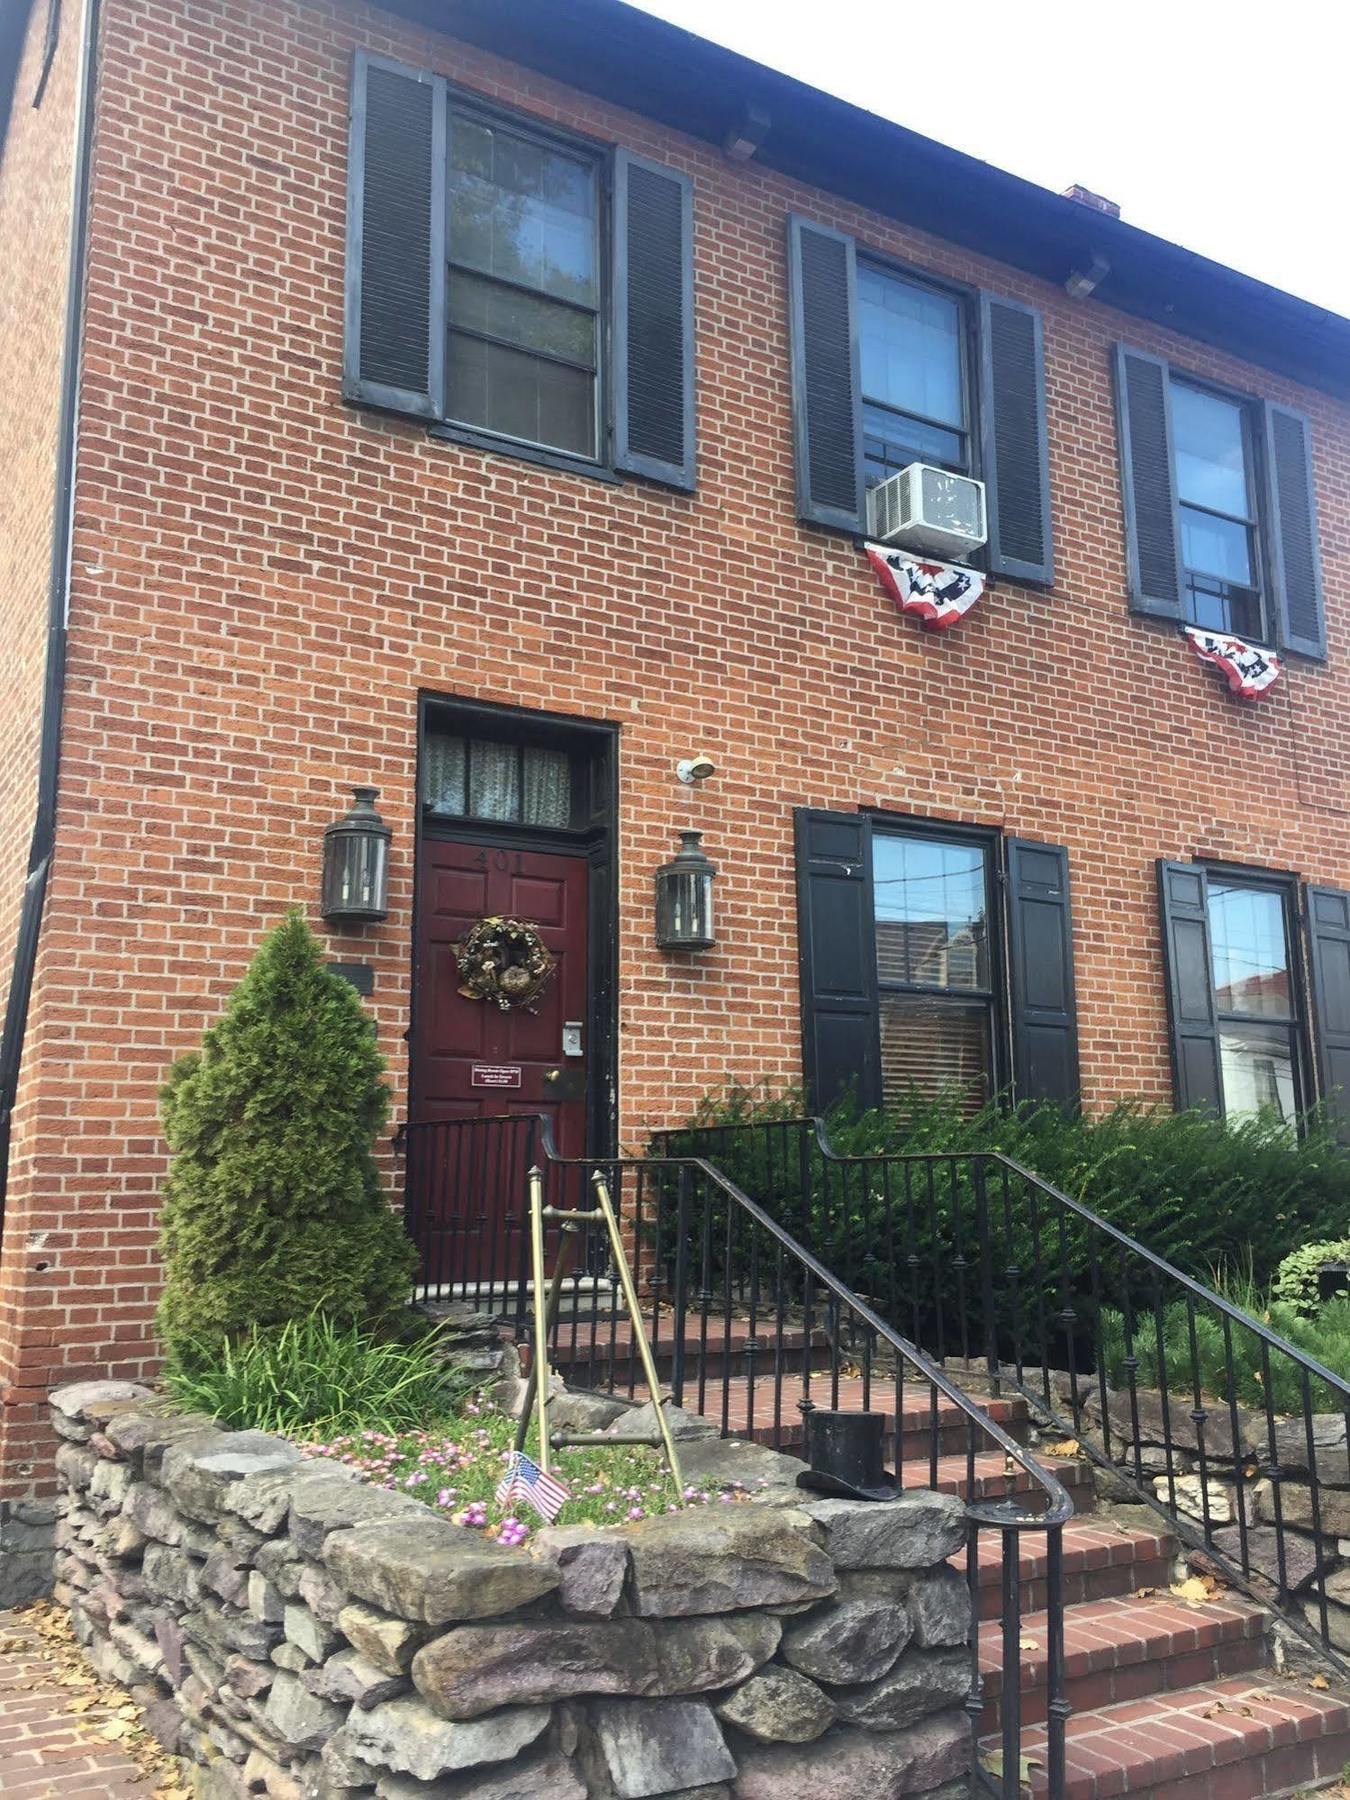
537,1387
569,1228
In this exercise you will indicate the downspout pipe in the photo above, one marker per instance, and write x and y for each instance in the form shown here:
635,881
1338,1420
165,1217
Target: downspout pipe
58,598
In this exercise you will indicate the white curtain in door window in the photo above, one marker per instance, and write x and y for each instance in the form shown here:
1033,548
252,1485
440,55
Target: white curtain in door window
548,788
443,776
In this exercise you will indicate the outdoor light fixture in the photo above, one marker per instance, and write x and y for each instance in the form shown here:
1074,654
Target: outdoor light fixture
684,898
356,863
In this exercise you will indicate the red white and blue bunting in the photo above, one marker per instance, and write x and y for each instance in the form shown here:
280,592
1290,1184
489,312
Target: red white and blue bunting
937,593
1251,671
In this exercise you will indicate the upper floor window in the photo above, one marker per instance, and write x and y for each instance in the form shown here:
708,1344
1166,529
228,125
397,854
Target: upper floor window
1217,503
888,370
515,286
1220,515
524,287
911,341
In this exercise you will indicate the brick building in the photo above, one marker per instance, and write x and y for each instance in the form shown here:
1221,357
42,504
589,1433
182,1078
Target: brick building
476,401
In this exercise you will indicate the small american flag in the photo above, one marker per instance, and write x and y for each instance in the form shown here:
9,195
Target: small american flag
525,1480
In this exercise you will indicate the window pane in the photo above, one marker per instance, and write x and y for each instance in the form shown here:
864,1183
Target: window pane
500,312
1257,1067
891,442
930,913
521,210
548,788
443,784
1219,547
929,1047
1220,607
1211,459
494,781
911,346
1250,948
506,391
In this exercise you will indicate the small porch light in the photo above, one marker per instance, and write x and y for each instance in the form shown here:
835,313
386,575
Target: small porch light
356,863
684,898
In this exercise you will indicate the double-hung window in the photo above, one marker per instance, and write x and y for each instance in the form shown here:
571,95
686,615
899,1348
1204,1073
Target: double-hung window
1220,515
890,368
932,911
516,287
524,286
913,375
1258,991
934,958
1218,511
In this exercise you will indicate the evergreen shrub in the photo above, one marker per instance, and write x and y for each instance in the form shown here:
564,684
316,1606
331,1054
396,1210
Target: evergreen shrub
274,1210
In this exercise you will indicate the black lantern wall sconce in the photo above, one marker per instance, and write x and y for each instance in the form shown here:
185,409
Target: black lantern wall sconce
684,897
355,887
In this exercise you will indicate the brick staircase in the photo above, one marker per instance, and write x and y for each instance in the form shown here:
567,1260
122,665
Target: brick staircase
1172,1700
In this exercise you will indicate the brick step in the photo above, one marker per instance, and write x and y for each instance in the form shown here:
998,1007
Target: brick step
1239,1739
602,1351
1127,1649
1102,1559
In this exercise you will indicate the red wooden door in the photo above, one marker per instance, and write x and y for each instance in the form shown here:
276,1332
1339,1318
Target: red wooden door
467,1189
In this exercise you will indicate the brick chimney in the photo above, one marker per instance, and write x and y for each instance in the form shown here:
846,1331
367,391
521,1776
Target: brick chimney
1098,202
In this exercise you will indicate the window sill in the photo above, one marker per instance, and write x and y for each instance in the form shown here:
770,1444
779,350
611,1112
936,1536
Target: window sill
557,460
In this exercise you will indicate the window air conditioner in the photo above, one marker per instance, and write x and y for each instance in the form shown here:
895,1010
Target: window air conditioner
929,510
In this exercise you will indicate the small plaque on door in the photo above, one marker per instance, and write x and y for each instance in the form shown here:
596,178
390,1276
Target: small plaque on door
495,1075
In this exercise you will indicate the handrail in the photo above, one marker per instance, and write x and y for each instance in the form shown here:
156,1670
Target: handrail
714,1263
1219,1513
1059,1505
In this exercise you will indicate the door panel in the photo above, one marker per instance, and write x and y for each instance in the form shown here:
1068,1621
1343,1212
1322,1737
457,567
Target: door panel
470,1059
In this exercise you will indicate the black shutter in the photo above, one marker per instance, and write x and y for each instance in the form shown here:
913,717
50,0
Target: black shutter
826,404
1291,515
653,335
837,949
1329,959
1148,483
1184,894
394,355
1044,1016
1014,454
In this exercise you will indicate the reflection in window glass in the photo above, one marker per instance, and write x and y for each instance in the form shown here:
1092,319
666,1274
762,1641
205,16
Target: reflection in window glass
1257,1066
524,287
931,913
1251,956
1210,451
1214,488
911,357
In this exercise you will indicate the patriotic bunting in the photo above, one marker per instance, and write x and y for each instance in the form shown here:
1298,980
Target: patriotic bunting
936,593
525,1480
1251,672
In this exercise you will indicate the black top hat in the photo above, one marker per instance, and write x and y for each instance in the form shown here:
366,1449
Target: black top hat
844,1450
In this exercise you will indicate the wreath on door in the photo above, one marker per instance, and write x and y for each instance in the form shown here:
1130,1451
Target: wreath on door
505,962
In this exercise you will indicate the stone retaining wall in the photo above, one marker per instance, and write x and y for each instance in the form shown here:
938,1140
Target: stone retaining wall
298,1633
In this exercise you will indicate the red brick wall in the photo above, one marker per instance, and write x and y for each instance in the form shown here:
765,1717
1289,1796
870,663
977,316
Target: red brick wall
35,193
265,579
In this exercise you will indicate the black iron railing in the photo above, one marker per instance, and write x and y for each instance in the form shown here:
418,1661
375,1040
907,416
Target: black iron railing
752,1330
1239,1437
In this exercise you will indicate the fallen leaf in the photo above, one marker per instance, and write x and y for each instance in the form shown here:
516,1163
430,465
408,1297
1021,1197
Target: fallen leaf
1196,1589
1027,1643
1212,1712
1319,1682
1144,1593
1065,1447
114,1729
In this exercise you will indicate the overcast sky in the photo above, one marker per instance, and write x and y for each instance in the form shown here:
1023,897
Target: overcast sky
1226,129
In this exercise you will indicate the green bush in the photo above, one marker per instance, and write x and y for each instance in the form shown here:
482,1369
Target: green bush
314,1378
1326,1338
1197,1191
910,1234
274,1208
1297,1280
